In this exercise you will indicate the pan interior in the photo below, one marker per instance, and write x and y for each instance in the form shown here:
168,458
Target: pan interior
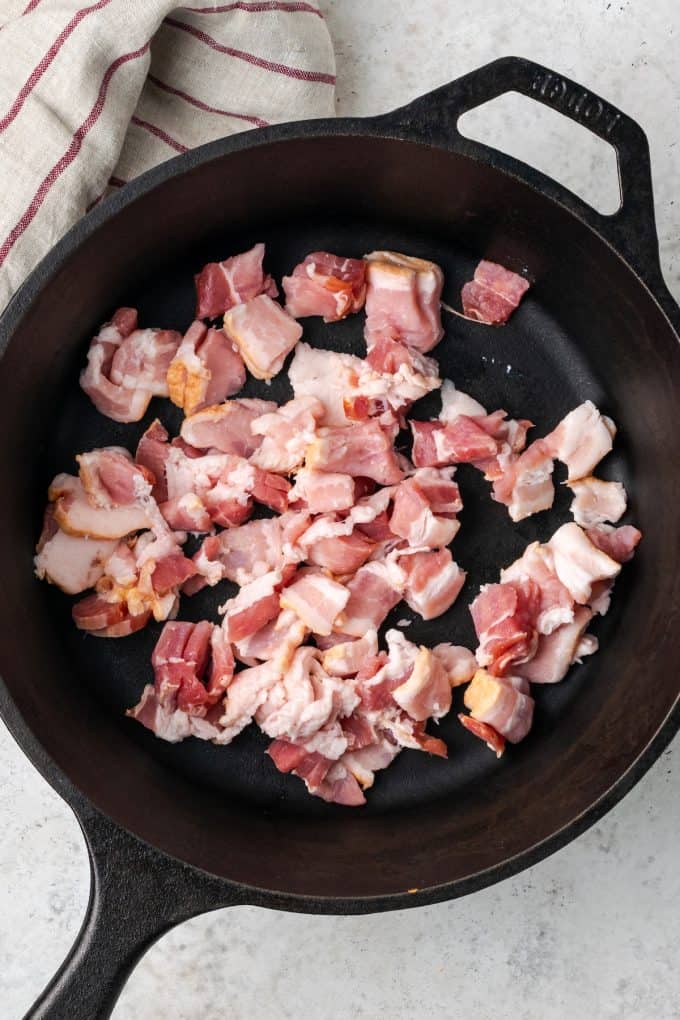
586,330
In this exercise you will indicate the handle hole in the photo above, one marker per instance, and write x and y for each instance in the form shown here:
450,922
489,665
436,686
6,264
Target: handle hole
550,142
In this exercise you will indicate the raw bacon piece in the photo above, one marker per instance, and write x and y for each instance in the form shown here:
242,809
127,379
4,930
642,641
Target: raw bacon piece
221,285
187,513
286,433
556,606
76,515
107,619
581,440
504,617
251,550
347,657
141,361
425,507
317,600
436,444
456,403
226,427
323,491
402,300
433,581
558,650
246,692
493,740
493,294
341,554
275,642
152,453
525,483
426,692
596,501
371,596
111,478
73,563
304,706
206,369
325,285
352,389
264,333
617,543
126,366
579,563
363,449
459,662
500,703
255,605
323,778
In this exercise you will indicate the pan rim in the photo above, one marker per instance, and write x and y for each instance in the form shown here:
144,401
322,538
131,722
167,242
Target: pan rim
42,275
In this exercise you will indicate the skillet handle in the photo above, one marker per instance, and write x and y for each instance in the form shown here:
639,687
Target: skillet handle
632,229
136,895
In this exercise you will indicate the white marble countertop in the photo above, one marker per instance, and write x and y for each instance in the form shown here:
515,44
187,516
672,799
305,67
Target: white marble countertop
592,931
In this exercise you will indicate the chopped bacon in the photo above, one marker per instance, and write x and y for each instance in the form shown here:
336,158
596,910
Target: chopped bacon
341,554
579,563
111,478
323,491
152,454
245,693
500,703
73,563
317,600
347,656
271,490
275,642
362,449
436,444
557,651
264,333
402,300
75,514
617,543
493,294
493,740
525,483
426,691
107,619
323,778
352,389
286,433
206,369
188,513
306,705
326,285
433,581
581,440
126,366
425,507
255,605
456,403
504,615
221,285
226,427
459,662
556,605
371,596
171,572
251,550
596,501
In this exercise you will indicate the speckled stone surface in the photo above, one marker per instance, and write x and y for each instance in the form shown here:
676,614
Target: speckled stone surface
594,930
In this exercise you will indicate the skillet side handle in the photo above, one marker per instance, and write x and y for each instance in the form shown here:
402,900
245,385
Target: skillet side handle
632,229
136,895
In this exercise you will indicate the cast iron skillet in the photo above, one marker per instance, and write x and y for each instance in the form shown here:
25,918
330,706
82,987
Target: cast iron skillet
176,830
